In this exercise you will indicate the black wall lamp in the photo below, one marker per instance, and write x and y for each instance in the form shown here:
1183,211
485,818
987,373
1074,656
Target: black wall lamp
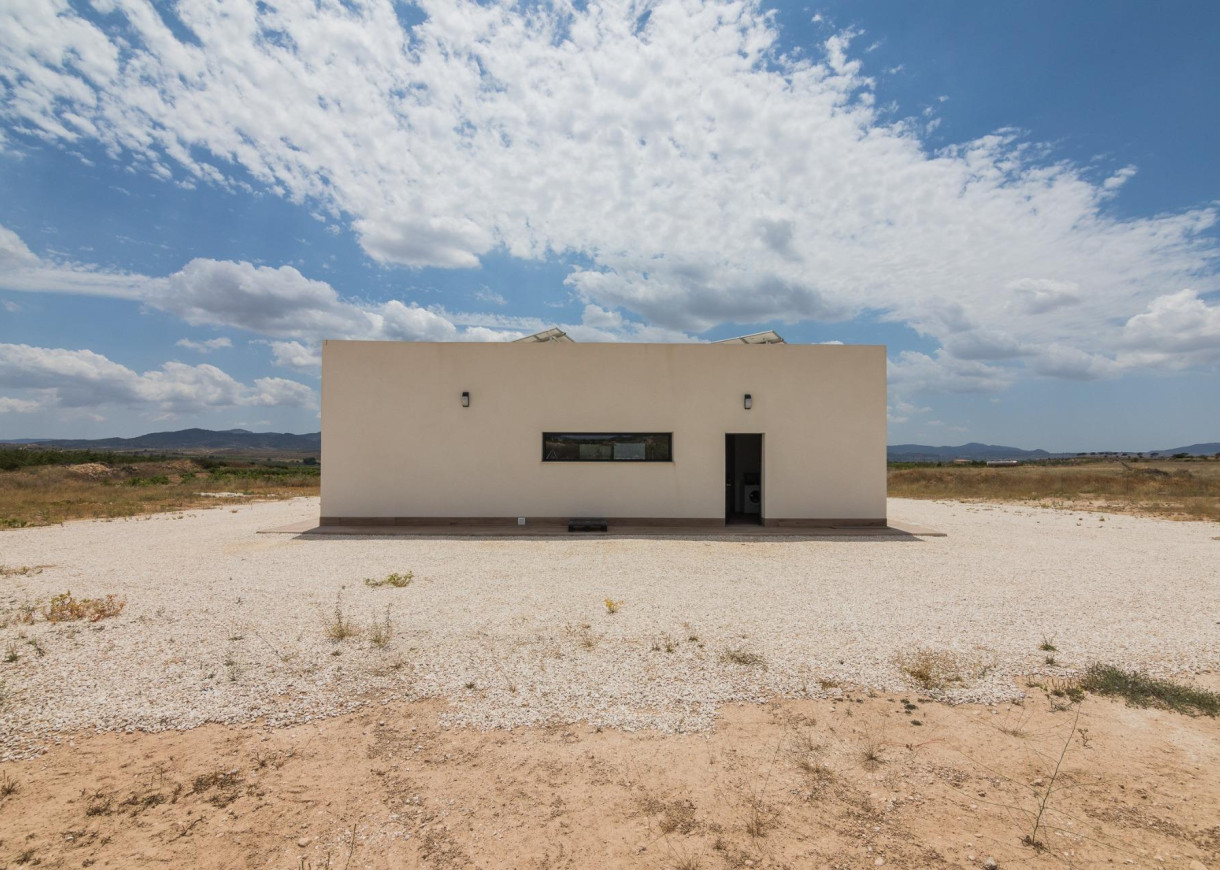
465,400
749,401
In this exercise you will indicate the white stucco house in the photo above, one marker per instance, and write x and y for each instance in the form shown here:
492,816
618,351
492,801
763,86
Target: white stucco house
545,430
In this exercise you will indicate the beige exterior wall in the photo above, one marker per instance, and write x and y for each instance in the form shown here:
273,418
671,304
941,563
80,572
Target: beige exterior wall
396,441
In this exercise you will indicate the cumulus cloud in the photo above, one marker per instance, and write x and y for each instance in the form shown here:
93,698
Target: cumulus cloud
699,174
47,377
21,406
294,355
278,302
1074,364
1041,295
915,372
14,253
902,412
206,346
1177,329
984,344
300,312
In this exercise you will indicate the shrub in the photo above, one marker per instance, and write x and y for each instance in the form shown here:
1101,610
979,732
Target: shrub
398,581
65,608
381,630
612,606
340,627
741,656
154,480
931,669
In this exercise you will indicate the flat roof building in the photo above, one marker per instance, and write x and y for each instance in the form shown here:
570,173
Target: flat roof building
751,430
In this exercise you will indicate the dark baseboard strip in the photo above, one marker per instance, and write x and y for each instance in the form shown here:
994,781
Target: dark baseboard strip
544,522
851,522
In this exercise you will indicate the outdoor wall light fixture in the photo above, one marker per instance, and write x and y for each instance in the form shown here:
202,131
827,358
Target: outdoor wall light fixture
749,402
465,400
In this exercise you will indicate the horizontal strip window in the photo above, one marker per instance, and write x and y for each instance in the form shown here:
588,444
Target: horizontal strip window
607,446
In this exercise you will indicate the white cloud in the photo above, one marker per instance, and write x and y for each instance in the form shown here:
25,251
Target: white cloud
276,302
14,253
1177,330
1072,363
915,372
206,346
490,297
283,304
1119,178
1041,295
21,406
599,317
294,355
702,174
984,344
902,412
62,378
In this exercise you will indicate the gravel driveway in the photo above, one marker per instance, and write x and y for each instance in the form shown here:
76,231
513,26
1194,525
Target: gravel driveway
223,625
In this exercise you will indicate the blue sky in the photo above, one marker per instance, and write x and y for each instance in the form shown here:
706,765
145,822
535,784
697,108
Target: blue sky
1019,200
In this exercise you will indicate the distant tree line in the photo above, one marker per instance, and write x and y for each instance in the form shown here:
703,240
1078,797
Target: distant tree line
12,458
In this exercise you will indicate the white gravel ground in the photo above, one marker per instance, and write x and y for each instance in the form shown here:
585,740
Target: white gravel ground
223,625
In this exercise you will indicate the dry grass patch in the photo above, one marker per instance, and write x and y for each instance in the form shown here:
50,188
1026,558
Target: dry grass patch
22,570
932,668
222,787
66,608
672,816
1179,489
739,655
49,494
398,581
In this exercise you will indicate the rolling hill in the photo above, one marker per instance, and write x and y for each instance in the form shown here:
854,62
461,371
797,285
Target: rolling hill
974,450
192,439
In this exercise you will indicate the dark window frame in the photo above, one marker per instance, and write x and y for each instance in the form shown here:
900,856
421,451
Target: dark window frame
609,437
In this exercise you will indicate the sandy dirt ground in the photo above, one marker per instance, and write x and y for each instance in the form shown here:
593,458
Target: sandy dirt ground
160,737
845,783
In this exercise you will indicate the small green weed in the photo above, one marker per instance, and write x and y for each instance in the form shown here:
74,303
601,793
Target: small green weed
398,581
1141,690
340,626
381,631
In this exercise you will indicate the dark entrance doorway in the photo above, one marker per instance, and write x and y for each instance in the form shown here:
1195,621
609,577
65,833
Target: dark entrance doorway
743,479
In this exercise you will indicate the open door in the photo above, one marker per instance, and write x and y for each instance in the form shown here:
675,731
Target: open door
743,494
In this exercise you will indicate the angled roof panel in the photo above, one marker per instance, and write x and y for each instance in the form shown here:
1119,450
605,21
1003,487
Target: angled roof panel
552,334
768,337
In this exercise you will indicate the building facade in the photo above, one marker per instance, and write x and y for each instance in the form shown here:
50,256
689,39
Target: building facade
548,430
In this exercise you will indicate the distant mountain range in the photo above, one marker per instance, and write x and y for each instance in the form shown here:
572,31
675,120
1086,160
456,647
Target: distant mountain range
190,439
974,450
1209,449
243,439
